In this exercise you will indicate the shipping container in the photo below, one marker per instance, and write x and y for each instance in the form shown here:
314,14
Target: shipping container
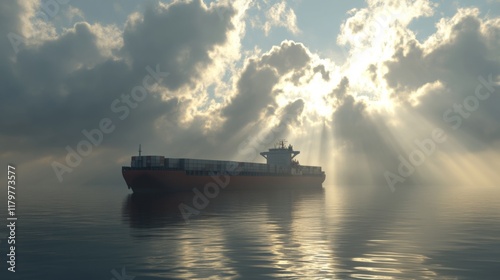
148,161
173,163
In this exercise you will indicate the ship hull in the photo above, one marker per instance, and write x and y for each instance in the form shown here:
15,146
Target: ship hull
164,180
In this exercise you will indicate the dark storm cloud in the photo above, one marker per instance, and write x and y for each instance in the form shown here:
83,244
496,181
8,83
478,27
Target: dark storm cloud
66,85
49,78
50,65
255,93
52,91
179,38
10,25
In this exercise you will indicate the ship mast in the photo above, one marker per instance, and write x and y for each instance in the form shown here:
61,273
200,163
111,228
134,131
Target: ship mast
281,144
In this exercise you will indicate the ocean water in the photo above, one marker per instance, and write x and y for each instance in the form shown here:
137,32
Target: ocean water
105,232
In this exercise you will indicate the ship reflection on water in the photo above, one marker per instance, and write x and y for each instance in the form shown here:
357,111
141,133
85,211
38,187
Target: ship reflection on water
162,210
266,234
330,233
153,211
248,234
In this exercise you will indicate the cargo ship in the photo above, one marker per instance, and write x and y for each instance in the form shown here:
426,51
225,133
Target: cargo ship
159,174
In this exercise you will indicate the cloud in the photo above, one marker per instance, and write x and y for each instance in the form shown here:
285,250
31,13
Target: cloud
371,35
10,26
279,15
287,57
363,144
255,93
381,25
444,72
421,81
257,85
465,36
67,83
167,35
324,73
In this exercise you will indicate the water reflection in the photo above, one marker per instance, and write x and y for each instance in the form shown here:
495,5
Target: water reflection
239,234
288,234
153,211
341,233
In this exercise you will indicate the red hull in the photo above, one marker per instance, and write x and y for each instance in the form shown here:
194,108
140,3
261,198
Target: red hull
143,180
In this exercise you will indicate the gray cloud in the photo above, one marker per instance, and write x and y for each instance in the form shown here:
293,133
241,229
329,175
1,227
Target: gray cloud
367,146
321,69
52,91
256,86
172,38
456,63
10,24
341,90
255,93
288,57
291,115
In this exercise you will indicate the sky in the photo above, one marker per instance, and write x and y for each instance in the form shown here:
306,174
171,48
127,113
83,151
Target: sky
385,94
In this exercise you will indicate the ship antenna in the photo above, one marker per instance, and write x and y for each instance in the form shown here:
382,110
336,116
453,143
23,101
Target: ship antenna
139,149
281,143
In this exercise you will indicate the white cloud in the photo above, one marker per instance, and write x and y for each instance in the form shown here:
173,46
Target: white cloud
73,13
280,15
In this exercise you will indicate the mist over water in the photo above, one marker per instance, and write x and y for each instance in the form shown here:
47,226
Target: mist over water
336,233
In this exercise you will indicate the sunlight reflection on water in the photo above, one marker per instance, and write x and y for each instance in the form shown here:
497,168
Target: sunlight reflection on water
337,233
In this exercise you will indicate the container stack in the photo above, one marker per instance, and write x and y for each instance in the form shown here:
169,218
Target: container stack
148,161
316,170
172,163
217,165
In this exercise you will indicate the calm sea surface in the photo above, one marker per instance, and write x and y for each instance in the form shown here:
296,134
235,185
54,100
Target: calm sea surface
336,233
